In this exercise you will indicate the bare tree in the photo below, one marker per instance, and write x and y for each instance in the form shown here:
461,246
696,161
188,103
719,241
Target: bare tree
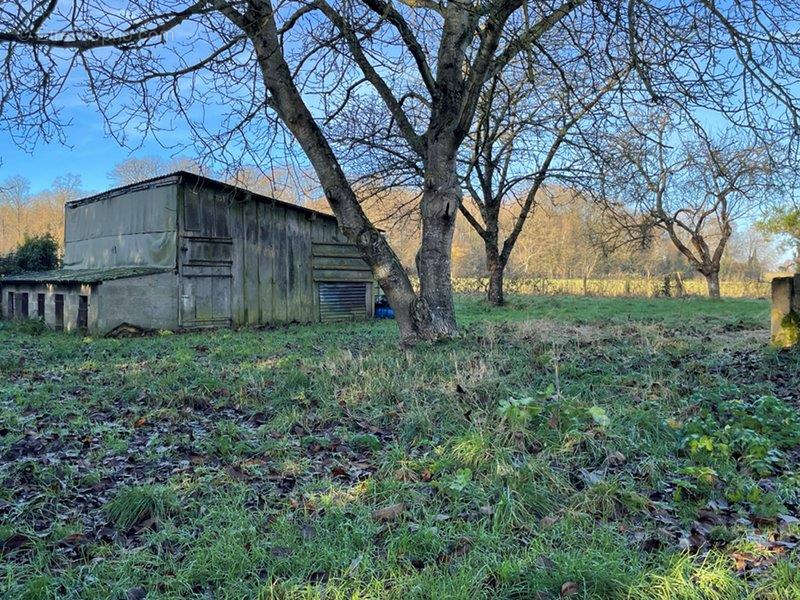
284,184
15,194
417,69
520,126
692,187
135,169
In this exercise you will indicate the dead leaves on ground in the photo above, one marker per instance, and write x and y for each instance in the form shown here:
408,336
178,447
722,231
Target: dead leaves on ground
389,513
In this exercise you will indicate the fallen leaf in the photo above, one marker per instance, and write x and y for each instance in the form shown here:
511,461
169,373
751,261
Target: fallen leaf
569,588
389,513
460,548
339,471
72,540
14,542
236,473
146,525
615,459
545,562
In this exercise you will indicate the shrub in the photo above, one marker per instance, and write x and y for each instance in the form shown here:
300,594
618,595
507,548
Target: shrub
37,253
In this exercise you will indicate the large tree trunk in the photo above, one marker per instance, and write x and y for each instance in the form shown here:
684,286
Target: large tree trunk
712,279
429,315
434,311
496,268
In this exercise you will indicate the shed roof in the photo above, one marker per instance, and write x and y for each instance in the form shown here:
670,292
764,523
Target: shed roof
198,181
83,275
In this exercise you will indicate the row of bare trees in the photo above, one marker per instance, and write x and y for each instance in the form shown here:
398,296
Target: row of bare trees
566,236
412,94
25,214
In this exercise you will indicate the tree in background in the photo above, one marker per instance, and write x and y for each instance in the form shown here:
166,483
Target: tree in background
25,214
404,76
521,124
784,221
135,169
14,198
659,174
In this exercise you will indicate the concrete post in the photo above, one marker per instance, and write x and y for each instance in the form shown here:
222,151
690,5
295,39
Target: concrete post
785,311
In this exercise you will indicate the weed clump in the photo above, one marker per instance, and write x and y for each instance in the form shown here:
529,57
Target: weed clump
134,504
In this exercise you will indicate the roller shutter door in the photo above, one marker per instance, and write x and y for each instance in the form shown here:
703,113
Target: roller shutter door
342,301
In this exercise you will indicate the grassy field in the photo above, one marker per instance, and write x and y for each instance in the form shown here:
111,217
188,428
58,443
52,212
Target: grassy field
563,447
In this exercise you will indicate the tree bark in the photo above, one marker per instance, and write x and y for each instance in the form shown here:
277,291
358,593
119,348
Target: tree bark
496,268
712,279
434,312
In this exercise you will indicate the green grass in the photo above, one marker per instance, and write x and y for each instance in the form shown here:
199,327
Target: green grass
609,448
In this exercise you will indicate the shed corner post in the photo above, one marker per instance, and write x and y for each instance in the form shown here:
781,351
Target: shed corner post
785,319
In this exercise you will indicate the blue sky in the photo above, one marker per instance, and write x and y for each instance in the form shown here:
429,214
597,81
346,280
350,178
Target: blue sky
90,153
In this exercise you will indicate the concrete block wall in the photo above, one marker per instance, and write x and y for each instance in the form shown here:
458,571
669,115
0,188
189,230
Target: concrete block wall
785,316
149,302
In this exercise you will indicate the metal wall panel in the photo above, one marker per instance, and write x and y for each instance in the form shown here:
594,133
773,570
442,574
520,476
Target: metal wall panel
339,301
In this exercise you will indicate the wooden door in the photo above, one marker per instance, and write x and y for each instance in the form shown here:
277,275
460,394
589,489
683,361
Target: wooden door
204,262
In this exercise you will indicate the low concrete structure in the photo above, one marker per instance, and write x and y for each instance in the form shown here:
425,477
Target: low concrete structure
785,317
71,300
185,252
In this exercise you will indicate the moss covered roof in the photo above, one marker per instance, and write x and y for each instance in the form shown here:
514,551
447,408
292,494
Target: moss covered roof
83,275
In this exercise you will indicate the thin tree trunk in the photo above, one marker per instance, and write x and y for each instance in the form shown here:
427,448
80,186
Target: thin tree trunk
712,278
496,268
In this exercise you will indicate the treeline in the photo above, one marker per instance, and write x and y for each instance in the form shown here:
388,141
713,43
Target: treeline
565,236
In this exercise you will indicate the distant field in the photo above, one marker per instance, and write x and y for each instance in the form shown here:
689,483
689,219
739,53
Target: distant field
615,287
563,447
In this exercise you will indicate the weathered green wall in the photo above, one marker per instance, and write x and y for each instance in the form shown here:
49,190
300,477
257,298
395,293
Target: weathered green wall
270,254
137,227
